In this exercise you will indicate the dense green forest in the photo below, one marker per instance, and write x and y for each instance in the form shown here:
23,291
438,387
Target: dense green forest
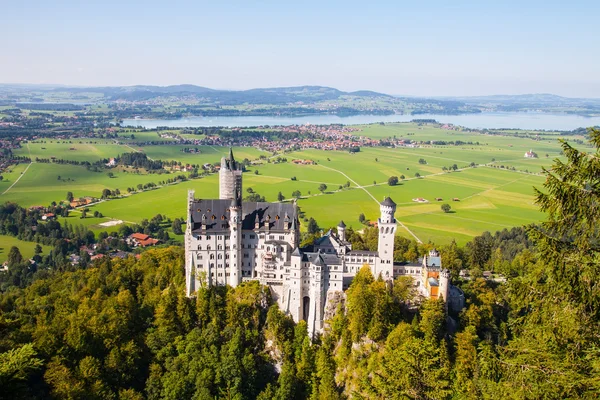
123,329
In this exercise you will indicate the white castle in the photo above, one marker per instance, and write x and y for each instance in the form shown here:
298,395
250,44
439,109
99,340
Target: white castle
229,241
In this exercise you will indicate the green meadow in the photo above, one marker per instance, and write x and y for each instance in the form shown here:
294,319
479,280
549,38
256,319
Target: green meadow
490,198
76,150
26,248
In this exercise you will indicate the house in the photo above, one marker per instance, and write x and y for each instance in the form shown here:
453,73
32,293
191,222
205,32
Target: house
140,239
48,217
82,201
530,154
111,162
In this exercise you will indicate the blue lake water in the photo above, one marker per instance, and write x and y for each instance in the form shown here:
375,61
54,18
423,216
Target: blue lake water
496,120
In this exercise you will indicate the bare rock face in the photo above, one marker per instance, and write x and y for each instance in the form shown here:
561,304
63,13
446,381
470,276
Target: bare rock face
334,299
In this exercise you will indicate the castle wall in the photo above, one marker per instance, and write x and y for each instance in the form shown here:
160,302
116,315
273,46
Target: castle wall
301,283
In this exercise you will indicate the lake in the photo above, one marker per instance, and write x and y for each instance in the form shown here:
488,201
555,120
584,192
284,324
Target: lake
491,120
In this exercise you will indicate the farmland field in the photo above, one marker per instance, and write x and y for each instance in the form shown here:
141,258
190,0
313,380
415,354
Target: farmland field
495,194
26,248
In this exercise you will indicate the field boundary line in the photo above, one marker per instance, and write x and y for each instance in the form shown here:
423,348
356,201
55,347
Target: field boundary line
299,180
373,197
22,173
137,151
18,179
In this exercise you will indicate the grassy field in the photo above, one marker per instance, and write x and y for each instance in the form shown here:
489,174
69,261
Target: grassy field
26,248
76,150
490,198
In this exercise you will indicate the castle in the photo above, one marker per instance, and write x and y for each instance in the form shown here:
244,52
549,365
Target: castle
229,241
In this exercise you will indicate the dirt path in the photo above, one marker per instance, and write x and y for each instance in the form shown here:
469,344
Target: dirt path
373,197
22,173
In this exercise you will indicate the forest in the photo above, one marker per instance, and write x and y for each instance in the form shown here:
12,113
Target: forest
123,328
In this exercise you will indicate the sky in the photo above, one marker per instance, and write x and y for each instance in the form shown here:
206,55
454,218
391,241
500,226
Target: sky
419,48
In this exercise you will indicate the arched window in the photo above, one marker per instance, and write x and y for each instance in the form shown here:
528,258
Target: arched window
220,247
220,256
212,256
199,247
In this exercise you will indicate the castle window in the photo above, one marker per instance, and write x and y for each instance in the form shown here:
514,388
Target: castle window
220,247
222,217
213,217
227,256
199,247
207,237
212,265
212,256
208,247
277,218
208,210
220,256
243,236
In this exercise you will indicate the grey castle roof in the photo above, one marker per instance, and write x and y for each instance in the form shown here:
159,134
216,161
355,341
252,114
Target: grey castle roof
215,214
342,224
230,163
363,253
388,202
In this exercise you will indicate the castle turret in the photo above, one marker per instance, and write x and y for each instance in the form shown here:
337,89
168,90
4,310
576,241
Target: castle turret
444,281
341,231
230,177
190,271
295,302
387,231
235,228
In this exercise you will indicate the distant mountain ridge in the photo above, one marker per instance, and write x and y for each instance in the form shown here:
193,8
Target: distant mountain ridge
278,95
545,99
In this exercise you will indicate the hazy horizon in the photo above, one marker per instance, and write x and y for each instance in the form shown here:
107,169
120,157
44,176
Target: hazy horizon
428,49
59,85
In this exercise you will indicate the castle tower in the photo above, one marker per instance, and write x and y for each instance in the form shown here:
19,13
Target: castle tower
387,231
235,241
341,231
190,270
230,177
444,284
296,296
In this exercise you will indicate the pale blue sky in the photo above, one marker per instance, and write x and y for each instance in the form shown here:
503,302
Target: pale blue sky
412,48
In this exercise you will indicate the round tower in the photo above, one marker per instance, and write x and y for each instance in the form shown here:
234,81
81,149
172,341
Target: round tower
230,177
385,246
341,231
235,227
444,284
387,208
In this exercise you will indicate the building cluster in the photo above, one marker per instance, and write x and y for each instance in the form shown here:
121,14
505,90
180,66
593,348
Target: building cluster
229,241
